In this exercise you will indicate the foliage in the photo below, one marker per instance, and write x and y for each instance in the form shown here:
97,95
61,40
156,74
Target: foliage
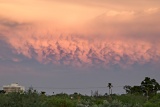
133,98
153,102
148,87
35,99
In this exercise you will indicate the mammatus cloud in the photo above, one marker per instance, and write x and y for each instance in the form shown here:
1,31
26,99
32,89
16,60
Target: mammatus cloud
75,50
82,34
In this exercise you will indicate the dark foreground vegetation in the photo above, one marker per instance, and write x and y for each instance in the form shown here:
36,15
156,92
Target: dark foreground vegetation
137,96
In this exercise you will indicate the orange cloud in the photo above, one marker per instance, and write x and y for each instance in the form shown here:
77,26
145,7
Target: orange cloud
82,33
69,49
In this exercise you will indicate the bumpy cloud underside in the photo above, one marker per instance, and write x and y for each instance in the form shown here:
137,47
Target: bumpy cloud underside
80,51
82,33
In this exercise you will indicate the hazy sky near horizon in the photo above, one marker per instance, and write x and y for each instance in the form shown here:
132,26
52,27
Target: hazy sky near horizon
79,43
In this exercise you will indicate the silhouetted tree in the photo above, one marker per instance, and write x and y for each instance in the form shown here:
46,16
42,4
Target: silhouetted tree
136,90
150,86
127,88
2,91
43,92
110,88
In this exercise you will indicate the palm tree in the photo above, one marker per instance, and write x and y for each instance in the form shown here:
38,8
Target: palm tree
110,88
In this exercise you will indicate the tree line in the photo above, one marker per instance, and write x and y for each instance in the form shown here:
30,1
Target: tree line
144,95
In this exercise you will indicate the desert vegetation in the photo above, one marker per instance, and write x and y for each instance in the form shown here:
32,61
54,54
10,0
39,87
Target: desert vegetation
144,95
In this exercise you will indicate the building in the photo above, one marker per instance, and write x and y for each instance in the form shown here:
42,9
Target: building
13,88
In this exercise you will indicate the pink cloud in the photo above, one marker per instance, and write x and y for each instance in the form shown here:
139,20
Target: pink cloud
83,34
77,51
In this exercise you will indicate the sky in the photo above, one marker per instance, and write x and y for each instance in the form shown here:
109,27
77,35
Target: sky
79,45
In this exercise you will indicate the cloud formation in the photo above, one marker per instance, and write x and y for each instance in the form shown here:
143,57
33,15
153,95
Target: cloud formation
80,51
81,33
